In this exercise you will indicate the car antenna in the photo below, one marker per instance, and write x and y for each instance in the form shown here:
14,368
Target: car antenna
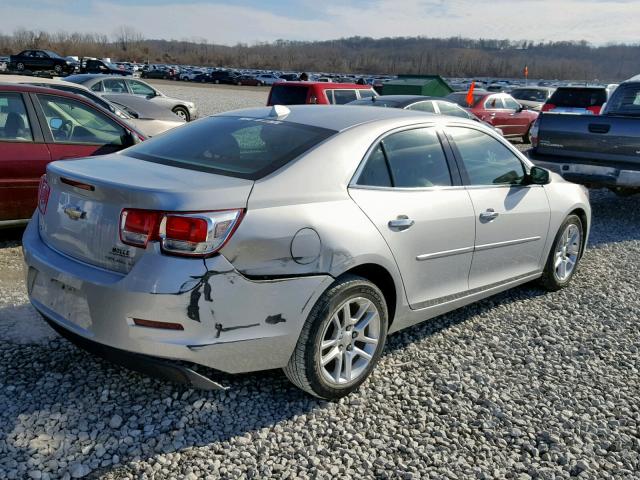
279,111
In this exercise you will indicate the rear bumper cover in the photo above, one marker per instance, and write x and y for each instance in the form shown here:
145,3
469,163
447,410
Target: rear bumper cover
145,364
230,323
588,173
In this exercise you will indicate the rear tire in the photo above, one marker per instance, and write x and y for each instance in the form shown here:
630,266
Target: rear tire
341,340
20,67
564,256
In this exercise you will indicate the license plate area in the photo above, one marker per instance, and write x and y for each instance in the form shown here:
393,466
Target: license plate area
62,297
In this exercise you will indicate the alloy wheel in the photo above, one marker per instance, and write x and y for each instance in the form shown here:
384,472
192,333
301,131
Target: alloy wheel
349,341
567,251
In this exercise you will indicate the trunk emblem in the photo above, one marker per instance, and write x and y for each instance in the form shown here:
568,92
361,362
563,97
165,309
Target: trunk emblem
74,213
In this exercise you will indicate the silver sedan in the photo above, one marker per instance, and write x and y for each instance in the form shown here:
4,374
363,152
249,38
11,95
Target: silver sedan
292,238
117,84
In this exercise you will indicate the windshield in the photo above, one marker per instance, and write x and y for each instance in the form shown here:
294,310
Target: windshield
625,100
530,94
578,97
241,147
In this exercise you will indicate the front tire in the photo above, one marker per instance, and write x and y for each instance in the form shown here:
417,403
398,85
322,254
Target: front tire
526,138
565,255
58,69
341,340
182,113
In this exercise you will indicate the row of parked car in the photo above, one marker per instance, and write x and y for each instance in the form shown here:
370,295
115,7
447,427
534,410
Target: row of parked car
143,112
316,213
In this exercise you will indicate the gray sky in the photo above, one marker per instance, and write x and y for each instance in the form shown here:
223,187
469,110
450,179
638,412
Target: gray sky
249,21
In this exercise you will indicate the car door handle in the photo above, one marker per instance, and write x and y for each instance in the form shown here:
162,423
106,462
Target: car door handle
488,215
401,223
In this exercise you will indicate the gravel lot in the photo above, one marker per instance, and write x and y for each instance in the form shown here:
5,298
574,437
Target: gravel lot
522,385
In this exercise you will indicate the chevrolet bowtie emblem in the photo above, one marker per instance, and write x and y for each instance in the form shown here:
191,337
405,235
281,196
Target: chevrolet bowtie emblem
74,213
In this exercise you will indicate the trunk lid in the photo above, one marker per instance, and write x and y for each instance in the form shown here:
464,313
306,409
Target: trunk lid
84,224
600,138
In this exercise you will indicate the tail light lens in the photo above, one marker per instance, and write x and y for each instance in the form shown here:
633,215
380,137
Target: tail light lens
547,107
191,234
199,233
139,227
43,194
595,110
533,134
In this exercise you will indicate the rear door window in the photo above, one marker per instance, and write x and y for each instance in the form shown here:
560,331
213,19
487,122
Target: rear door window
282,94
14,121
493,103
447,108
510,103
241,147
341,97
366,93
423,107
115,85
412,159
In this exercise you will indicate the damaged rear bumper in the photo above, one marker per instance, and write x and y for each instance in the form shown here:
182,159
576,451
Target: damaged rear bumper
229,322
154,367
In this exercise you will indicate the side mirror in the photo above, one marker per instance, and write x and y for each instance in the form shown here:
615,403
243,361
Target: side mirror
132,138
55,123
538,176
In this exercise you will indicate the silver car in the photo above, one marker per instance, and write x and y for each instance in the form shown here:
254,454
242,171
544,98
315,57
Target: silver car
145,116
117,84
292,238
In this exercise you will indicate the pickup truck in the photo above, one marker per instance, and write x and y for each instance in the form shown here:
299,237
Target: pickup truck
34,60
594,150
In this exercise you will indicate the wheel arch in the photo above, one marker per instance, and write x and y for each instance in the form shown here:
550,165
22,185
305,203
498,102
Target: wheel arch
381,278
584,219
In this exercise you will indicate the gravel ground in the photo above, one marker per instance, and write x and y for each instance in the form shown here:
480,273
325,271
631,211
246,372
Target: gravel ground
212,99
523,385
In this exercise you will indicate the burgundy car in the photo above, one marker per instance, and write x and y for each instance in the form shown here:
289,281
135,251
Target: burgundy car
39,125
500,110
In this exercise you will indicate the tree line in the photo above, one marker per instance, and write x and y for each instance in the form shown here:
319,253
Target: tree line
451,57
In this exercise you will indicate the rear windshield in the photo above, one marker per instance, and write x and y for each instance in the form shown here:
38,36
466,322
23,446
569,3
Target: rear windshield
241,147
288,95
625,100
378,102
530,94
578,97
461,98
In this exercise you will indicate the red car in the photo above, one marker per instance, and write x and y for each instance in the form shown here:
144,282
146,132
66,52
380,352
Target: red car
322,93
39,125
500,110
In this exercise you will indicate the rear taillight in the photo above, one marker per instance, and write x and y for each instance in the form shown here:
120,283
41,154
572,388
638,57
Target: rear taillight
192,234
547,107
533,134
139,227
595,110
198,233
43,194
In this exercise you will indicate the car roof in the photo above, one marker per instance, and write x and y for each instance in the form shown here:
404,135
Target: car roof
28,79
326,85
581,87
84,77
24,88
341,117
